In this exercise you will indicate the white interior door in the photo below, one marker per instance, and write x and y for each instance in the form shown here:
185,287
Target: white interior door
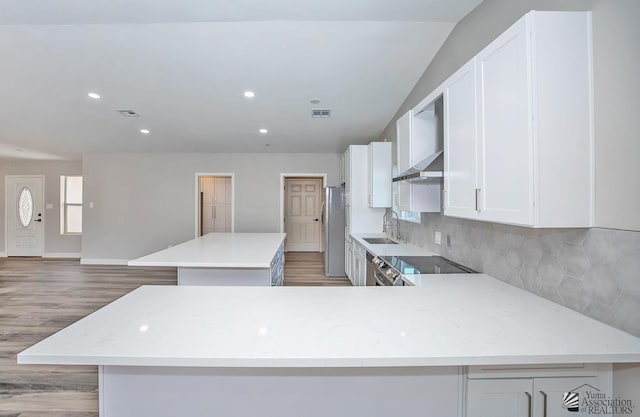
24,206
303,198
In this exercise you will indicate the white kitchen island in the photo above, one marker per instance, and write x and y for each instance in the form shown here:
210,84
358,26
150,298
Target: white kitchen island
237,259
343,351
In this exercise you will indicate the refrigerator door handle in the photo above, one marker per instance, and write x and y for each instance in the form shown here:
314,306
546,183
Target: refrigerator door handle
322,213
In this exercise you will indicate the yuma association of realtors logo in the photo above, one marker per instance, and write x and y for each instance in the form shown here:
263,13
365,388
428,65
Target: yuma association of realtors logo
588,399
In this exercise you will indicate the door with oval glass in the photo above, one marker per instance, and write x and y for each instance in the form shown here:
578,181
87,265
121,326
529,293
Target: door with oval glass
24,206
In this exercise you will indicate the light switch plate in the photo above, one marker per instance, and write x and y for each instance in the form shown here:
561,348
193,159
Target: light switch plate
90,204
49,206
438,238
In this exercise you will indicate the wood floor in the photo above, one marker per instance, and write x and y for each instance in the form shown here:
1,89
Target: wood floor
306,268
39,297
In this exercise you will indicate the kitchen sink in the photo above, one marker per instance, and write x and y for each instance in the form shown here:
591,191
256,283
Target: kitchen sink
379,241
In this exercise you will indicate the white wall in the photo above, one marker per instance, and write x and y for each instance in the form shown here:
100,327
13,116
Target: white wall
616,44
55,243
145,202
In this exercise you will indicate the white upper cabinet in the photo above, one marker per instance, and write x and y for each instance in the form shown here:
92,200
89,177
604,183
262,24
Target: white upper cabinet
505,190
403,142
419,197
360,216
460,143
523,154
380,172
341,170
416,137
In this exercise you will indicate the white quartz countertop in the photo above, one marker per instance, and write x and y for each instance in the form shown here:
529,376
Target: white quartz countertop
458,319
399,249
218,250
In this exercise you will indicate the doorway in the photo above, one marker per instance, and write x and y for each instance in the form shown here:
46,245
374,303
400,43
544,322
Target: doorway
302,213
214,203
24,204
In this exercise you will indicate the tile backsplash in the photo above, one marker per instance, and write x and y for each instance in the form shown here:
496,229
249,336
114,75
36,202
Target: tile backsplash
593,271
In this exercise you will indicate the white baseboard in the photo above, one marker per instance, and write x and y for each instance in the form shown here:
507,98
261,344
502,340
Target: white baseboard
65,255
3,254
103,261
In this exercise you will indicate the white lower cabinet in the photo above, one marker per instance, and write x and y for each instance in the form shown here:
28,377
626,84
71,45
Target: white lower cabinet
355,260
359,262
348,257
543,392
499,397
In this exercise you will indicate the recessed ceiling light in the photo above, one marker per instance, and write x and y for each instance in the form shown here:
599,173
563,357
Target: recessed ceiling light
94,96
145,131
249,94
314,101
263,131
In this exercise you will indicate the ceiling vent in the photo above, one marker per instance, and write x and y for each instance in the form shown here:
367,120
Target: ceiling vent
128,113
320,113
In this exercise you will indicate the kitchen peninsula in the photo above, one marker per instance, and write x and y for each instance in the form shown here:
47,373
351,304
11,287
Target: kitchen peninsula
292,351
224,259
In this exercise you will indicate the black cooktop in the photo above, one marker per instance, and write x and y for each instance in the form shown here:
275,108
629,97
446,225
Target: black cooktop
408,265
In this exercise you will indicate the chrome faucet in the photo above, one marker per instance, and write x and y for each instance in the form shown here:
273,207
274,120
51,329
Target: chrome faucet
385,222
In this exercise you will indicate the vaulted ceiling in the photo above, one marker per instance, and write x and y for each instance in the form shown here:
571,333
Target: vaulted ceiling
183,68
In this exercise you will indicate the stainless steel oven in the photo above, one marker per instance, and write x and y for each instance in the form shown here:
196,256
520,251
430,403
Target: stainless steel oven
388,270
371,268
382,275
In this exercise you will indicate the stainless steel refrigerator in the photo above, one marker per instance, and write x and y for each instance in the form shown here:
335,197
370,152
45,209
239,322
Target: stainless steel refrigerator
333,223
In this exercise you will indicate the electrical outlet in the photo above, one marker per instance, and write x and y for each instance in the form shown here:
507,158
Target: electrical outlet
448,240
438,238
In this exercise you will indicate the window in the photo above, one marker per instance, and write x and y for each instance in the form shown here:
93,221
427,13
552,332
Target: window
70,205
410,216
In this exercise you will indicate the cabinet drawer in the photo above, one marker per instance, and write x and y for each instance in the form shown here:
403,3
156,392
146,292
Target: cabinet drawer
529,371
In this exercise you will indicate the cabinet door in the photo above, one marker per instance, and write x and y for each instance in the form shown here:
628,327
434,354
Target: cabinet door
221,201
418,197
505,128
460,145
549,396
499,398
356,268
380,173
349,260
347,177
359,260
404,196
403,142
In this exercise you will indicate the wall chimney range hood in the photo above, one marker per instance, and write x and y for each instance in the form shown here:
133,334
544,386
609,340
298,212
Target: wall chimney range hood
428,170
